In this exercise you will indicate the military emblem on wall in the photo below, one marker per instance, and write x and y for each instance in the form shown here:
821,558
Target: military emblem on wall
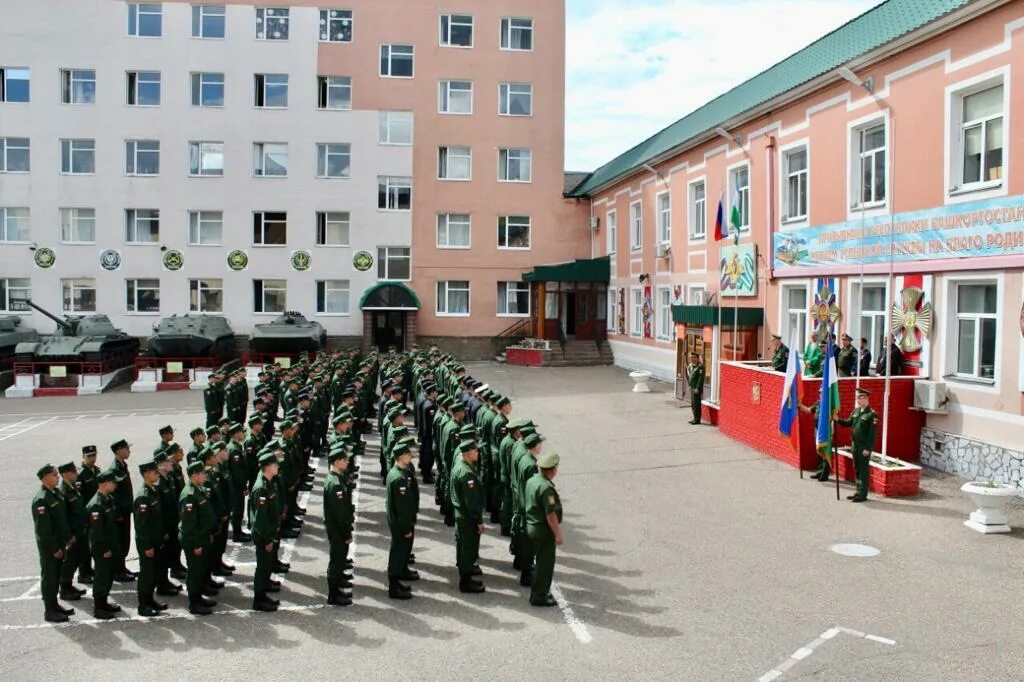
238,260
362,261
911,319
301,260
110,259
173,259
738,271
825,311
44,257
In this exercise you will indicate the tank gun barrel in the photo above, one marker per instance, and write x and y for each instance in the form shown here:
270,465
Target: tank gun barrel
62,323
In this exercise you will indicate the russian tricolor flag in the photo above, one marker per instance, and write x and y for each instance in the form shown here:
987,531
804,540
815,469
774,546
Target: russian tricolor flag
721,230
792,390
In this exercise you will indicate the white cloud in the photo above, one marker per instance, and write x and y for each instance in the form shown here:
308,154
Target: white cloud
636,66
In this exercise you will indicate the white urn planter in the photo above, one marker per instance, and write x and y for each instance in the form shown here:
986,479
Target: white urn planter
640,379
990,500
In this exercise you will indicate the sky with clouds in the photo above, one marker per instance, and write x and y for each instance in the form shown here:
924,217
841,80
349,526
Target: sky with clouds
636,66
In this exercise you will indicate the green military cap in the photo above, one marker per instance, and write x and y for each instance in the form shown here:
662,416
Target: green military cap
467,430
527,430
457,406
208,452
267,458
482,388
401,448
342,416
445,401
161,456
334,455
88,450
286,424
397,411
548,460
114,447
516,424
776,336
863,392
147,466
172,448
399,430
224,422
235,428
467,445
196,431
66,468
196,468
166,429
218,446
847,337
533,440
501,401
212,430
255,419
108,476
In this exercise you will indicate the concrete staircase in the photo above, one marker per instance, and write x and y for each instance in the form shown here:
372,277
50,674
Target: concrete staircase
581,354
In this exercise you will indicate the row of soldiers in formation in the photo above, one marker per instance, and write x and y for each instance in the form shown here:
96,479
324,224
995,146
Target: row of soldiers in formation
850,361
84,517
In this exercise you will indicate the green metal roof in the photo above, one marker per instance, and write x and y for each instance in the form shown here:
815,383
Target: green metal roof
707,315
871,30
389,295
590,270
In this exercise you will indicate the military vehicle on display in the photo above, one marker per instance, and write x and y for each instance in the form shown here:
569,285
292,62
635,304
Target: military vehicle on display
190,336
11,334
288,333
78,338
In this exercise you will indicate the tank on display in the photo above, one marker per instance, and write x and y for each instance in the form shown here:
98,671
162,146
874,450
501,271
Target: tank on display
190,336
11,334
288,333
82,338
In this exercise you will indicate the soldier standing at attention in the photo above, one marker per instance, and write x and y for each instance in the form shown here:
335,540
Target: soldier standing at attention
53,536
123,509
198,436
846,361
176,477
149,532
864,359
213,400
195,532
402,506
104,539
695,379
544,526
170,551
238,480
87,486
166,436
251,446
523,469
863,422
780,354
468,501
74,506
265,509
339,517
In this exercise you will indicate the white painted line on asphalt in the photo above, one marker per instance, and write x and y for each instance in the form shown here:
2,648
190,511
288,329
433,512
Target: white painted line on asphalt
881,640
577,626
33,597
805,651
801,653
25,428
769,676
18,579
32,592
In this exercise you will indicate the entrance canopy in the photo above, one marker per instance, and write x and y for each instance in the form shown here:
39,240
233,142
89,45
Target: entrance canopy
389,296
589,270
707,315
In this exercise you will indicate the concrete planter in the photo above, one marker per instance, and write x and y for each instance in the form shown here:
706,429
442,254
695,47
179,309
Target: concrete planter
990,500
527,357
640,379
895,478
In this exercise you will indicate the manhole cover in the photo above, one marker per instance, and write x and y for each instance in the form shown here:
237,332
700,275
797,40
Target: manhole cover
855,550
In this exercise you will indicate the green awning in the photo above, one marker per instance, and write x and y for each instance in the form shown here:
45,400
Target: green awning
389,296
707,315
590,270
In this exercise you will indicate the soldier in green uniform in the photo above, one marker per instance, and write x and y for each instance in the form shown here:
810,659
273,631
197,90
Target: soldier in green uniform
523,469
824,468
508,442
543,526
87,487
780,354
402,505
846,361
213,399
166,490
53,537
814,358
176,479
74,506
695,380
218,489
468,501
104,540
123,509
863,422
198,436
166,436
339,517
197,524
254,441
265,509
238,476
149,534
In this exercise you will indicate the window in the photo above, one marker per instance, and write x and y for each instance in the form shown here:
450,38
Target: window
206,158
396,61
207,21
78,157
453,298
269,295
636,319
205,228
332,296
270,228
14,84
142,225
613,310
395,127
271,90
636,226
143,88
207,89
335,92
336,25
272,23
698,211
515,99
514,232
612,224
871,170
14,224
976,329
142,295
332,228
394,193
981,135
78,225
453,230
456,97
79,295
515,165
142,157
14,155
77,86
697,294
13,291
664,218
394,262
456,30
145,20
666,327
794,302
871,318
739,183
514,299
270,159
454,163
333,160
516,34
794,186
206,295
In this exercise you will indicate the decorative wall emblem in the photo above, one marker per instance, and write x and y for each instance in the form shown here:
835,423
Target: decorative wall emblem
738,270
238,260
825,309
301,260
755,393
362,261
44,257
911,319
173,259
110,259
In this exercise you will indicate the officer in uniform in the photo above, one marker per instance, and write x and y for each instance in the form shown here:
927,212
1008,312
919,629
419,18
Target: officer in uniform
53,537
402,504
780,354
170,552
695,380
468,501
198,436
265,509
197,524
846,361
104,541
74,506
149,533
213,399
339,517
543,526
87,486
523,469
176,477
166,436
254,442
123,509
863,422
237,481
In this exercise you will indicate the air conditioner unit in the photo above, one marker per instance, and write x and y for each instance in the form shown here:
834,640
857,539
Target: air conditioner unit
595,222
930,396
663,250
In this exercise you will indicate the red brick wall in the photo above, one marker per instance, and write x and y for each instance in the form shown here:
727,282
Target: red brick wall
528,357
756,424
888,482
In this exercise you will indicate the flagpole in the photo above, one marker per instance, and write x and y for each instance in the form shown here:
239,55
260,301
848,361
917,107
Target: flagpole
889,305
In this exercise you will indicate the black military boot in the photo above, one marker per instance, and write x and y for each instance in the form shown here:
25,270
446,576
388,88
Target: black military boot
526,577
146,610
196,606
260,603
69,592
158,605
241,536
51,615
467,584
335,596
409,575
397,590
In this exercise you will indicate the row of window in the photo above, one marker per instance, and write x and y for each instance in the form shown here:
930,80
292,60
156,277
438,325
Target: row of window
976,146
269,228
206,295
270,91
269,159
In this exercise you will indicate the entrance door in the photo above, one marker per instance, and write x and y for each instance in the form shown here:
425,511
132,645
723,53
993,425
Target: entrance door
389,329
570,313
585,315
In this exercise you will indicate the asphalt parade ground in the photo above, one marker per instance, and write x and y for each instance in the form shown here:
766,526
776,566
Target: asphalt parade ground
687,557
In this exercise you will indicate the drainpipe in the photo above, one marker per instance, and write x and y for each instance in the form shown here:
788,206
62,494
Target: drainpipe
769,156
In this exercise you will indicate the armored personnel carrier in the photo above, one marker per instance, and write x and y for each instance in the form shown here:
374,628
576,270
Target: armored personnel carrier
192,336
11,334
288,333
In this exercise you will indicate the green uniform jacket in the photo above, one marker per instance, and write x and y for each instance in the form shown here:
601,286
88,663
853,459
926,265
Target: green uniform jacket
525,467
197,517
467,492
541,499
102,525
237,466
165,487
402,502
846,362
87,483
74,505
51,520
339,514
149,520
863,425
780,358
695,378
813,360
519,451
505,458
264,510
122,495
213,399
